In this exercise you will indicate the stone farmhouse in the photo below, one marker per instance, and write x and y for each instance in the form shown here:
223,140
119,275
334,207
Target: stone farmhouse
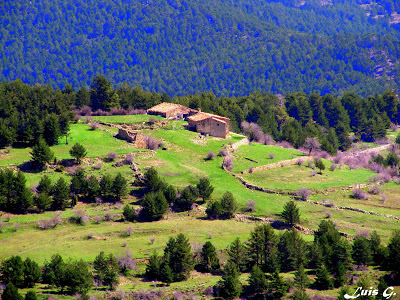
204,123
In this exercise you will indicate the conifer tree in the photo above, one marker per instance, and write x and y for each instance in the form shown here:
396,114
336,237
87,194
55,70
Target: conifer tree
93,188
205,188
257,280
60,194
291,213
79,182
11,293
45,185
209,261
237,254
180,255
32,273
153,266
154,205
119,186
228,204
42,201
106,185
229,286
261,245
31,295
78,152
323,281
41,154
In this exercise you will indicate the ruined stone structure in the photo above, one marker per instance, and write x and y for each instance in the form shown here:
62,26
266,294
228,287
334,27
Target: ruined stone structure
136,138
171,111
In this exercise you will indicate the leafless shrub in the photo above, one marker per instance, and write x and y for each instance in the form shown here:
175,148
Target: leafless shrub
210,155
210,236
90,235
375,167
268,140
304,193
124,244
7,218
151,294
129,158
97,166
251,170
85,111
109,216
386,177
129,230
77,118
16,227
381,141
328,203
126,262
328,214
88,119
311,144
152,121
393,127
374,190
101,112
98,219
7,150
118,205
227,163
111,156
251,205
312,173
364,233
152,143
118,164
80,217
118,111
134,111
333,167
383,199
152,239
271,155
311,164
360,194
300,162
99,200
93,126
223,152
285,144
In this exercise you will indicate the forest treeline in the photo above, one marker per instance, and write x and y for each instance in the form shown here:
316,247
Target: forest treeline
185,47
29,113
330,257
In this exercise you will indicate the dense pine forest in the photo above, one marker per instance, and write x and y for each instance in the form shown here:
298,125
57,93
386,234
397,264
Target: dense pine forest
186,47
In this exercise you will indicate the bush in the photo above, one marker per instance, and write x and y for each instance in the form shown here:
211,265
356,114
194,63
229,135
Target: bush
223,152
152,143
78,152
360,194
129,158
210,155
227,163
304,193
251,205
374,190
93,126
271,155
111,156
80,217
333,167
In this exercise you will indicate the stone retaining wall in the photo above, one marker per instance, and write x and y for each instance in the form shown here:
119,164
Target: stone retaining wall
279,164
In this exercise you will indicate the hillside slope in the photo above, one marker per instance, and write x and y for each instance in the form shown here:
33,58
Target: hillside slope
184,47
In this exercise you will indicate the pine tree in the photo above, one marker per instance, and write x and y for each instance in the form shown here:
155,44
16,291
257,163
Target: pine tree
23,195
291,213
382,286
228,204
78,152
32,273
229,286
361,252
323,281
152,181
41,154
51,131
375,243
180,254
301,279
60,194
205,188
170,194
257,280
129,213
394,253
79,182
237,254
12,270
214,210
154,205
153,266
187,198
93,189
277,287
340,275
261,245
119,186
31,295
11,293
42,201
45,185
106,185
53,272
166,273
209,261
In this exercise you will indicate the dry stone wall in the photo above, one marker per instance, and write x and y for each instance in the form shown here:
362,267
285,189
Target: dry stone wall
280,164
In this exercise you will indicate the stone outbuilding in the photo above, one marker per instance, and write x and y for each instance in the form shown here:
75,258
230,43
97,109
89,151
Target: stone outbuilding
171,111
209,124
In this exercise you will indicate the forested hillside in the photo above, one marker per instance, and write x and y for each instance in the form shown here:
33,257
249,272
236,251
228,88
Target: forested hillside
181,47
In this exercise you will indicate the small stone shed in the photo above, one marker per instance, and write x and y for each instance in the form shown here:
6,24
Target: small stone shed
210,124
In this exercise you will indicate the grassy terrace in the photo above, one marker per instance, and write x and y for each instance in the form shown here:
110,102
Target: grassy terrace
296,177
260,154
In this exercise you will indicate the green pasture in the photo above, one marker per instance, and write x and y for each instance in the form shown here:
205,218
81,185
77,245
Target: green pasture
260,155
296,177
